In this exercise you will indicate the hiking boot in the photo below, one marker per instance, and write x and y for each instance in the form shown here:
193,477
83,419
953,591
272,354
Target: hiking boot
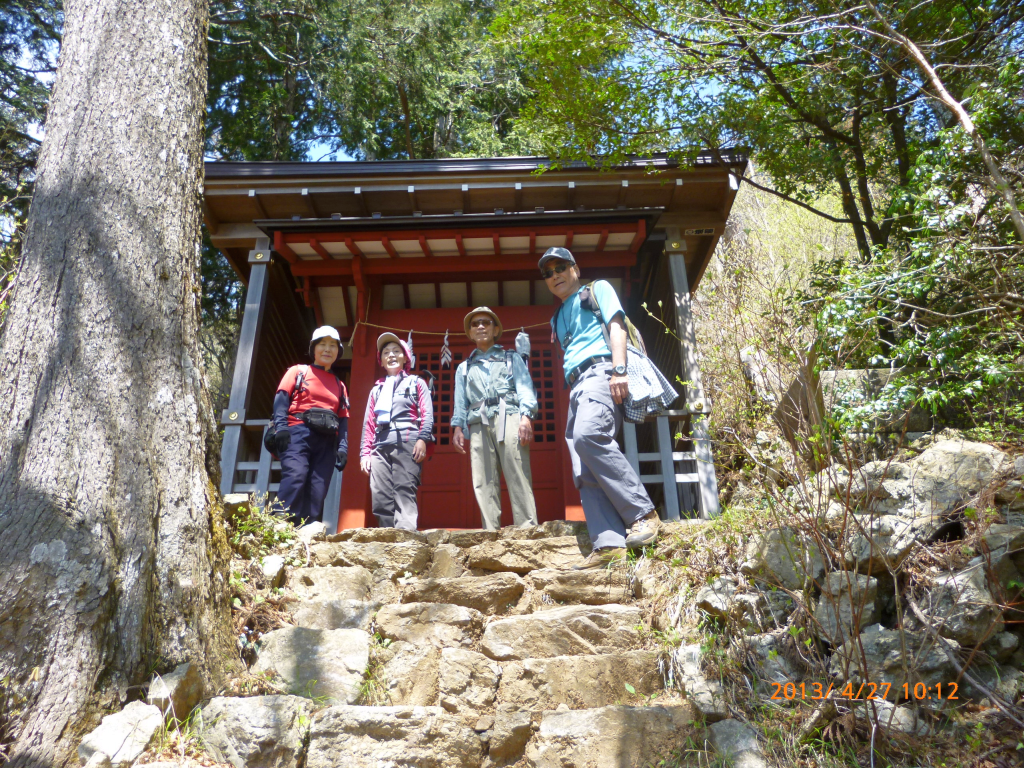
644,531
609,557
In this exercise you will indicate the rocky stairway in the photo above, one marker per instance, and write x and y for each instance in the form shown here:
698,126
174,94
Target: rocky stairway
462,648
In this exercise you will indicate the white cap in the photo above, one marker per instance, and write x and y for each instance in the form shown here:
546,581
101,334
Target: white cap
325,332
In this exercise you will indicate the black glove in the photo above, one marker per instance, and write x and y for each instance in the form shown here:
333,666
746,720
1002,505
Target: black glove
341,460
282,439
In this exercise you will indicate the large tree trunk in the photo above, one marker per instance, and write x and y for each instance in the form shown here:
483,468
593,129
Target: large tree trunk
111,563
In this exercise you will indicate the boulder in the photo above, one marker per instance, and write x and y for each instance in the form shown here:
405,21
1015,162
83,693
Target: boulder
1002,646
609,736
178,692
437,624
436,536
769,657
847,605
384,587
512,728
123,736
256,732
472,538
951,471
737,743
326,613
718,598
495,594
783,557
572,630
395,557
880,544
962,608
467,682
895,719
316,663
706,695
598,587
273,570
377,535
579,681
330,583
236,504
411,675
312,532
893,656
448,562
524,556
406,737
549,530
1004,681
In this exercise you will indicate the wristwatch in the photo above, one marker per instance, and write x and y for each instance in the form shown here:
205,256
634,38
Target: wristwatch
619,370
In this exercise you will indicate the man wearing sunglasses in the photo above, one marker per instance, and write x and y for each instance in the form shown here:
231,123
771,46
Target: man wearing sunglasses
494,402
619,512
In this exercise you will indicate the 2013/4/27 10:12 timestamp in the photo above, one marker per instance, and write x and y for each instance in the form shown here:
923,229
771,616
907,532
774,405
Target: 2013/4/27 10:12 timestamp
866,691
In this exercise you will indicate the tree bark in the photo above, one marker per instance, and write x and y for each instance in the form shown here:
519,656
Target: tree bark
112,554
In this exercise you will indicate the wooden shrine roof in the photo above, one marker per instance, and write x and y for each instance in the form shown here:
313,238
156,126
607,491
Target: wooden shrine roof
497,209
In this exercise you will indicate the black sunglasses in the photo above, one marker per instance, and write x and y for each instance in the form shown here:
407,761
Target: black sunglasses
546,273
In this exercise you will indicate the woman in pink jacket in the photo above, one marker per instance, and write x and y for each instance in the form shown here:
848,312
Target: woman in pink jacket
397,426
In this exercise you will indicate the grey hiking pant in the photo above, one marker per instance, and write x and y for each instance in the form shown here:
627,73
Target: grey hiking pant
394,480
489,460
613,496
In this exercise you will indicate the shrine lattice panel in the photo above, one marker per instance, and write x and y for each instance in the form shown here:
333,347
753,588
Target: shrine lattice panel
542,370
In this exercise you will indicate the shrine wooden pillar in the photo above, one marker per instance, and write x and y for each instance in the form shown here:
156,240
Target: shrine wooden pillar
696,403
233,417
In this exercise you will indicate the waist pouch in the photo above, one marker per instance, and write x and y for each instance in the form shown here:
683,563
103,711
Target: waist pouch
321,421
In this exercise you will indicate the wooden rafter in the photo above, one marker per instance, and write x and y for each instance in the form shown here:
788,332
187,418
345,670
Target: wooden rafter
638,239
459,245
352,247
284,249
424,247
449,234
512,264
496,239
602,240
386,242
319,249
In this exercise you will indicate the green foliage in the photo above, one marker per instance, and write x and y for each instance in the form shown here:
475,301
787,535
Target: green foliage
260,527
948,288
810,88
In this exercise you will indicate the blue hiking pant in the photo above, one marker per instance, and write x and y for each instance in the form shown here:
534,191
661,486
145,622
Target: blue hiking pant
612,494
306,468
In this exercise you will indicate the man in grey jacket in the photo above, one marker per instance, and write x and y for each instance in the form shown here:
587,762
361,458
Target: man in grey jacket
495,402
619,512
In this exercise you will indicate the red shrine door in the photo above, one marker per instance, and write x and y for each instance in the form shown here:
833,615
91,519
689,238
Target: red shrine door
446,498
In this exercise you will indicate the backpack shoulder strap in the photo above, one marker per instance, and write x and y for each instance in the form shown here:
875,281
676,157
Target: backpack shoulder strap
508,361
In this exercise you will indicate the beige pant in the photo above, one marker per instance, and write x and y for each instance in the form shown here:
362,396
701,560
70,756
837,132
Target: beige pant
490,460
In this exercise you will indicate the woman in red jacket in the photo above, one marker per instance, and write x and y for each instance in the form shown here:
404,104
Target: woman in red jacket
311,420
396,429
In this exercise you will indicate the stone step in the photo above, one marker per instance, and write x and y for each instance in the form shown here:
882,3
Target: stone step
394,557
322,582
326,613
566,631
441,625
370,737
494,594
608,736
579,681
523,556
598,587
316,663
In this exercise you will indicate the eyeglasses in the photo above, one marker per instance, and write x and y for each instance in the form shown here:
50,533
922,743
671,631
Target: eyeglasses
483,322
556,270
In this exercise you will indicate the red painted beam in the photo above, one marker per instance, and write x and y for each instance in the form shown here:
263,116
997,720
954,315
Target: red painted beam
448,234
533,243
496,239
281,247
319,249
440,266
461,247
425,248
568,239
602,240
638,239
389,247
352,247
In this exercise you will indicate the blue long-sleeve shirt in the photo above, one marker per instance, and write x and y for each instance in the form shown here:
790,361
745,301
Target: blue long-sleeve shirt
485,375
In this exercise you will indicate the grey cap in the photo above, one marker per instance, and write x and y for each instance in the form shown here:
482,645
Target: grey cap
556,252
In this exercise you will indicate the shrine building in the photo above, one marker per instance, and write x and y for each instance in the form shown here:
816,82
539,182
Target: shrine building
413,246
